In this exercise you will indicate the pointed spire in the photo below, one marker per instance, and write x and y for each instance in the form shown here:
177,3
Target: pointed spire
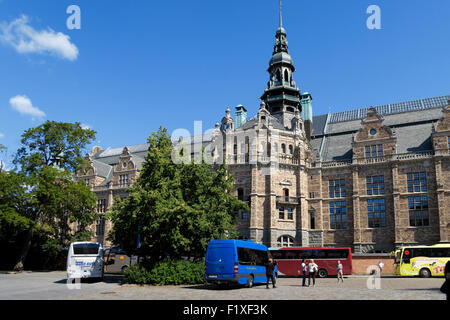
281,17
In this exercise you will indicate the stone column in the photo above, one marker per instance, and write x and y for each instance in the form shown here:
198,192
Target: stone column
396,205
443,236
357,237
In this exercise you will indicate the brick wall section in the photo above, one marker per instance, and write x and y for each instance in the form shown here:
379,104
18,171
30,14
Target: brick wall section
362,262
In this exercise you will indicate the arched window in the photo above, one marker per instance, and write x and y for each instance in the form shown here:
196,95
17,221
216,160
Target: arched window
285,241
291,149
286,76
278,76
283,148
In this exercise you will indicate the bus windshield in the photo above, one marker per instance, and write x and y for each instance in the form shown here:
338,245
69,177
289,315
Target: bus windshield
85,248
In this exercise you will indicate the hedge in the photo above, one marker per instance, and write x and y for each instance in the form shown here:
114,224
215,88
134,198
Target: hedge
167,273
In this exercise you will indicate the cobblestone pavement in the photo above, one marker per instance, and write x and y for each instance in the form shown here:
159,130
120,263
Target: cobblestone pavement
353,288
51,286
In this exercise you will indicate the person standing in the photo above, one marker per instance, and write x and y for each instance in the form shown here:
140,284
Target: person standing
312,268
380,267
339,268
270,268
303,265
446,286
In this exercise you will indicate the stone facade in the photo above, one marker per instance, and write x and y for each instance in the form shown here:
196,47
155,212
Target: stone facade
371,179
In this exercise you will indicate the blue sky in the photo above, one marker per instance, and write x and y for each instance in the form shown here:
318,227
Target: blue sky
135,65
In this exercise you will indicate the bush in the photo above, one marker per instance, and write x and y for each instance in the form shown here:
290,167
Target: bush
167,273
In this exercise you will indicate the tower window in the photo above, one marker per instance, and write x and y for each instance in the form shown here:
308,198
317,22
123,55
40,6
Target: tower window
283,148
312,220
286,76
291,149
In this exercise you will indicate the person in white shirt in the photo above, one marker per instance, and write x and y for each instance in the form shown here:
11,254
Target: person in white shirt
380,266
312,268
339,268
303,265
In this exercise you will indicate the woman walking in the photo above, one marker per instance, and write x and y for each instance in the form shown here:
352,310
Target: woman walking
312,268
339,271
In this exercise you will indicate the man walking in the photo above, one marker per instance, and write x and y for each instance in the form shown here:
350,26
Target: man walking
339,272
303,265
270,268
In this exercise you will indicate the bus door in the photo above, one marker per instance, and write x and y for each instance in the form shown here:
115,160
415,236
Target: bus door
220,260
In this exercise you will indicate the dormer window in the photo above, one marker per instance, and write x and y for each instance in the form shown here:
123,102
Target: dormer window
124,164
373,132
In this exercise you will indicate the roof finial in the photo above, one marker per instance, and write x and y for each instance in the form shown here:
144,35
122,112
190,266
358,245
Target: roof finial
281,17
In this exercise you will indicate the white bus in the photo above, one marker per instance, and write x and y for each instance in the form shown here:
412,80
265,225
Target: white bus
85,260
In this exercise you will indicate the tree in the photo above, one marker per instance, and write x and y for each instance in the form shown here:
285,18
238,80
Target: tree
2,150
174,209
51,200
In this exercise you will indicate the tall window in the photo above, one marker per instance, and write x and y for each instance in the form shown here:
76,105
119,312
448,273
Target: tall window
337,188
374,151
281,213
290,213
338,215
123,180
101,205
100,226
283,148
377,213
418,211
375,185
417,182
240,194
291,149
448,142
285,241
312,220
286,195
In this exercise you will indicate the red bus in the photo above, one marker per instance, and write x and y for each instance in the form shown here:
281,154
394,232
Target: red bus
288,260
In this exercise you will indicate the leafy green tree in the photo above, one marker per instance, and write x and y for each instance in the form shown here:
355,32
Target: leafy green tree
174,209
42,195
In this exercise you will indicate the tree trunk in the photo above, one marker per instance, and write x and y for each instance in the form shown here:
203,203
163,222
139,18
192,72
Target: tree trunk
23,254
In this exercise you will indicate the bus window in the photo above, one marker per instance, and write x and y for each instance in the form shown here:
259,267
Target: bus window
85,248
291,254
248,256
319,254
420,252
277,254
337,254
305,254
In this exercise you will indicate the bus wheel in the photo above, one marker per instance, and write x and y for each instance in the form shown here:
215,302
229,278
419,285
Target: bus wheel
322,273
250,281
124,268
425,273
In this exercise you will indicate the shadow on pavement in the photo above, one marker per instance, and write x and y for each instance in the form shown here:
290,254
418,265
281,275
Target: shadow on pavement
213,287
108,278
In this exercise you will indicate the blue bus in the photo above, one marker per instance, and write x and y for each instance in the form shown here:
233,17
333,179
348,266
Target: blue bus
236,262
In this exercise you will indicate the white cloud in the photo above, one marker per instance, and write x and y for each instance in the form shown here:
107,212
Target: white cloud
25,39
85,126
1,134
23,105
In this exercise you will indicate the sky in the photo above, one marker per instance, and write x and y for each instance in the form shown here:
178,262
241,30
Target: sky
133,66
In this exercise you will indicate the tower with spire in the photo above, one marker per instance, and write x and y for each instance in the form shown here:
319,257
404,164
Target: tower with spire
282,97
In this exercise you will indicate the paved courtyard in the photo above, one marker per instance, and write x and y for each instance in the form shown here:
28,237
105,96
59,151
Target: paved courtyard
52,286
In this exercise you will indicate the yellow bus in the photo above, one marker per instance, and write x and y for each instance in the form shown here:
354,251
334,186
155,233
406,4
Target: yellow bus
423,261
